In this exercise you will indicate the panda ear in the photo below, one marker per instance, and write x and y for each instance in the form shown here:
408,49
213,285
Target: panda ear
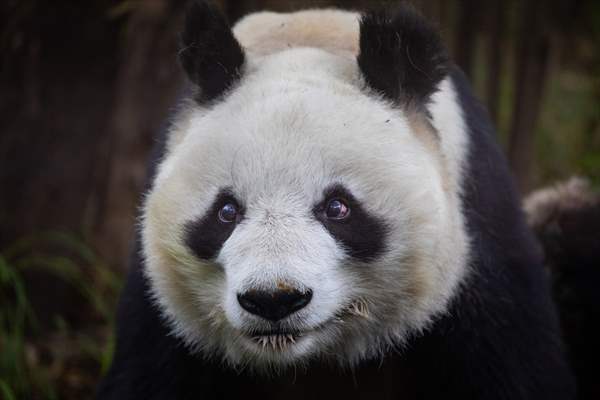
210,54
401,56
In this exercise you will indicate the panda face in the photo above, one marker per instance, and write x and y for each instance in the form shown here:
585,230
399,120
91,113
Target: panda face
302,217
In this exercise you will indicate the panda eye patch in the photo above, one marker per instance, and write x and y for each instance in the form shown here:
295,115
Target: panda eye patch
363,235
206,234
228,213
337,209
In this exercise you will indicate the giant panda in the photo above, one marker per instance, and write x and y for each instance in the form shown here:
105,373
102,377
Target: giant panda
328,216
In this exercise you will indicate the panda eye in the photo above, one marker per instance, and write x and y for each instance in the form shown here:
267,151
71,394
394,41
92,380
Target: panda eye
337,209
228,213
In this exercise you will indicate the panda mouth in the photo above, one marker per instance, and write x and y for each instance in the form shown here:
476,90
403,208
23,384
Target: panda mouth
281,340
276,341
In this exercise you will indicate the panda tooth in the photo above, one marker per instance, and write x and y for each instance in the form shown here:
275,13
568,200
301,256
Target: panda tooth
272,340
290,337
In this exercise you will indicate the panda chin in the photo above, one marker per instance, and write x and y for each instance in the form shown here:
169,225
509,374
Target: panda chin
282,348
272,353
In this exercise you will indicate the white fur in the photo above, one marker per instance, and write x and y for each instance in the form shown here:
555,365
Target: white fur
299,121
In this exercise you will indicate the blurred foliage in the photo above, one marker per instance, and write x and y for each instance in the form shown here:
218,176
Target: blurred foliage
567,140
567,133
37,359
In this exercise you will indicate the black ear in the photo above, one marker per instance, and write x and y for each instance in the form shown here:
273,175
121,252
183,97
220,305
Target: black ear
210,54
401,55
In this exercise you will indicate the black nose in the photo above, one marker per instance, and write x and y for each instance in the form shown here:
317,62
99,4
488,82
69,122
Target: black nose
274,305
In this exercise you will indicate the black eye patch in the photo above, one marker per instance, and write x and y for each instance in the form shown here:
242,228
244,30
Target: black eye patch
362,234
206,235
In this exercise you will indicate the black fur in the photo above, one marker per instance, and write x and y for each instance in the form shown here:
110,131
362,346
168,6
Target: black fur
401,56
206,236
210,54
362,234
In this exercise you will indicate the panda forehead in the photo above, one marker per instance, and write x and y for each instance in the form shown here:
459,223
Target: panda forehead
301,94
287,152
288,122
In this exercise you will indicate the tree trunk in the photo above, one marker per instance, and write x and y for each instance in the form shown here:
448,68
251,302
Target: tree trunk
531,68
146,85
53,109
464,46
496,23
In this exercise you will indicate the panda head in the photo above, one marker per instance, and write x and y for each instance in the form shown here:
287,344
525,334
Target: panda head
308,205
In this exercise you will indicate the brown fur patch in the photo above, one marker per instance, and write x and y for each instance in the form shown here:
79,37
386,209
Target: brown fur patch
428,136
268,32
285,287
416,288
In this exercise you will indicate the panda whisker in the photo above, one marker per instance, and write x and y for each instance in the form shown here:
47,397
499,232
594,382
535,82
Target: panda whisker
359,308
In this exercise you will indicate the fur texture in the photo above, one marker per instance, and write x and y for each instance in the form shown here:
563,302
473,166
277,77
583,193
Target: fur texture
401,56
439,263
210,54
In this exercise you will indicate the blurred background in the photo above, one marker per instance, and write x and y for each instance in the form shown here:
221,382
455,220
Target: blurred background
84,87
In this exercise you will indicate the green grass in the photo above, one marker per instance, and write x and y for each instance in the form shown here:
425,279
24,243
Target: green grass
66,258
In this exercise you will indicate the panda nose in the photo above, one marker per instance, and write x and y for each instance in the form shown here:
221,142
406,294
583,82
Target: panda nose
274,305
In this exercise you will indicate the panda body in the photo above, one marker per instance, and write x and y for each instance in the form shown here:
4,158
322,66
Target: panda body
430,287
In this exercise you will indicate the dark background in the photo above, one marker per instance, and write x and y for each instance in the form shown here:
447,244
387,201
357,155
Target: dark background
84,86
